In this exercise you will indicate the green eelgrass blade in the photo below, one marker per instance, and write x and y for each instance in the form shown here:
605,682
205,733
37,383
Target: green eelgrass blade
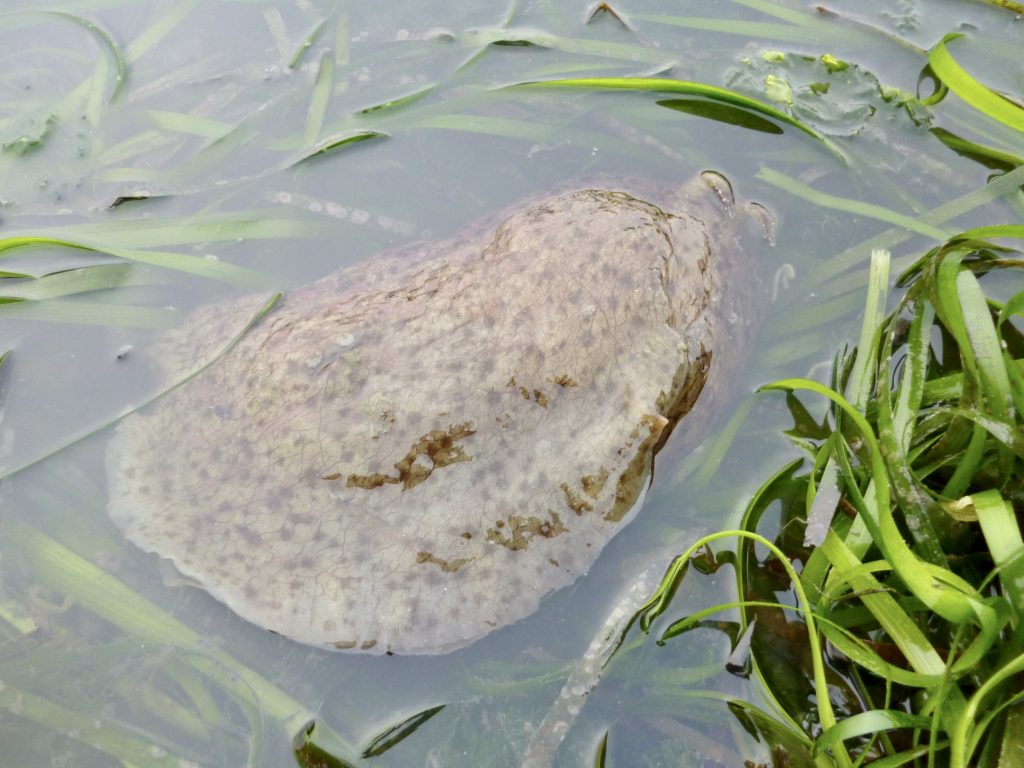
335,143
1006,184
970,90
191,125
1002,533
903,631
89,313
665,85
100,277
750,30
70,575
263,310
163,24
659,601
398,732
948,595
864,723
869,210
862,380
106,40
305,45
99,732
987,156
319,99
969,731
196,265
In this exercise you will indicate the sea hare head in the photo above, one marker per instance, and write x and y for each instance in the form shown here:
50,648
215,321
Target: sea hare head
412,453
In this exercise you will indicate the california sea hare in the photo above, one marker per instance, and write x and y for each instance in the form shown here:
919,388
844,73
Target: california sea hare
409,454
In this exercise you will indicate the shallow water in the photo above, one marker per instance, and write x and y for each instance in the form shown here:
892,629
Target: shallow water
212,124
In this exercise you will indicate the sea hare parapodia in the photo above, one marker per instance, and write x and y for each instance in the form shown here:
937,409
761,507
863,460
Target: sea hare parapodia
411,453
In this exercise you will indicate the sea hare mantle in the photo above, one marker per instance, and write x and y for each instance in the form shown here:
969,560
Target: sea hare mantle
411,453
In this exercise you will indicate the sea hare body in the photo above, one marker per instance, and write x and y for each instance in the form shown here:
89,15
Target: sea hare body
409,454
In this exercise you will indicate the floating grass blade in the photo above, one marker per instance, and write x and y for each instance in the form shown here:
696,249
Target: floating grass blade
665,85
395,734
987,156
335,143
970,90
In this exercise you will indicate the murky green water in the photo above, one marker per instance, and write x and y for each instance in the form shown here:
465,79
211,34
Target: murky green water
211,112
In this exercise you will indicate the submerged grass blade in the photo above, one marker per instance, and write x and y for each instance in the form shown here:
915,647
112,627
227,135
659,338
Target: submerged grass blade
74,281
319,99
267,307
195,265
870,210
70,575
99,732
750,30
106,41
89,313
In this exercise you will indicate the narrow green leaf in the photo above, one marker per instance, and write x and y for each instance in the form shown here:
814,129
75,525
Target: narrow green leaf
398,732
196,265
665,85
106,41
319,100
192,125
869,210
338,142
74,281
987,156
305,45
871,721
970,90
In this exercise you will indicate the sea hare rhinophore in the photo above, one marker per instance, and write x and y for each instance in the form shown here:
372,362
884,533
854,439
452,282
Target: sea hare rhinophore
411,453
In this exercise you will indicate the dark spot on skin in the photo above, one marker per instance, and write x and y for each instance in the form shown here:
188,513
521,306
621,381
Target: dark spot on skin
448,566
575,501
522,529
436,449
466,535
594,484
251,538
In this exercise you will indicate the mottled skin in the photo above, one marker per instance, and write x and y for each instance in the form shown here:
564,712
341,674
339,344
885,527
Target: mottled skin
409,454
